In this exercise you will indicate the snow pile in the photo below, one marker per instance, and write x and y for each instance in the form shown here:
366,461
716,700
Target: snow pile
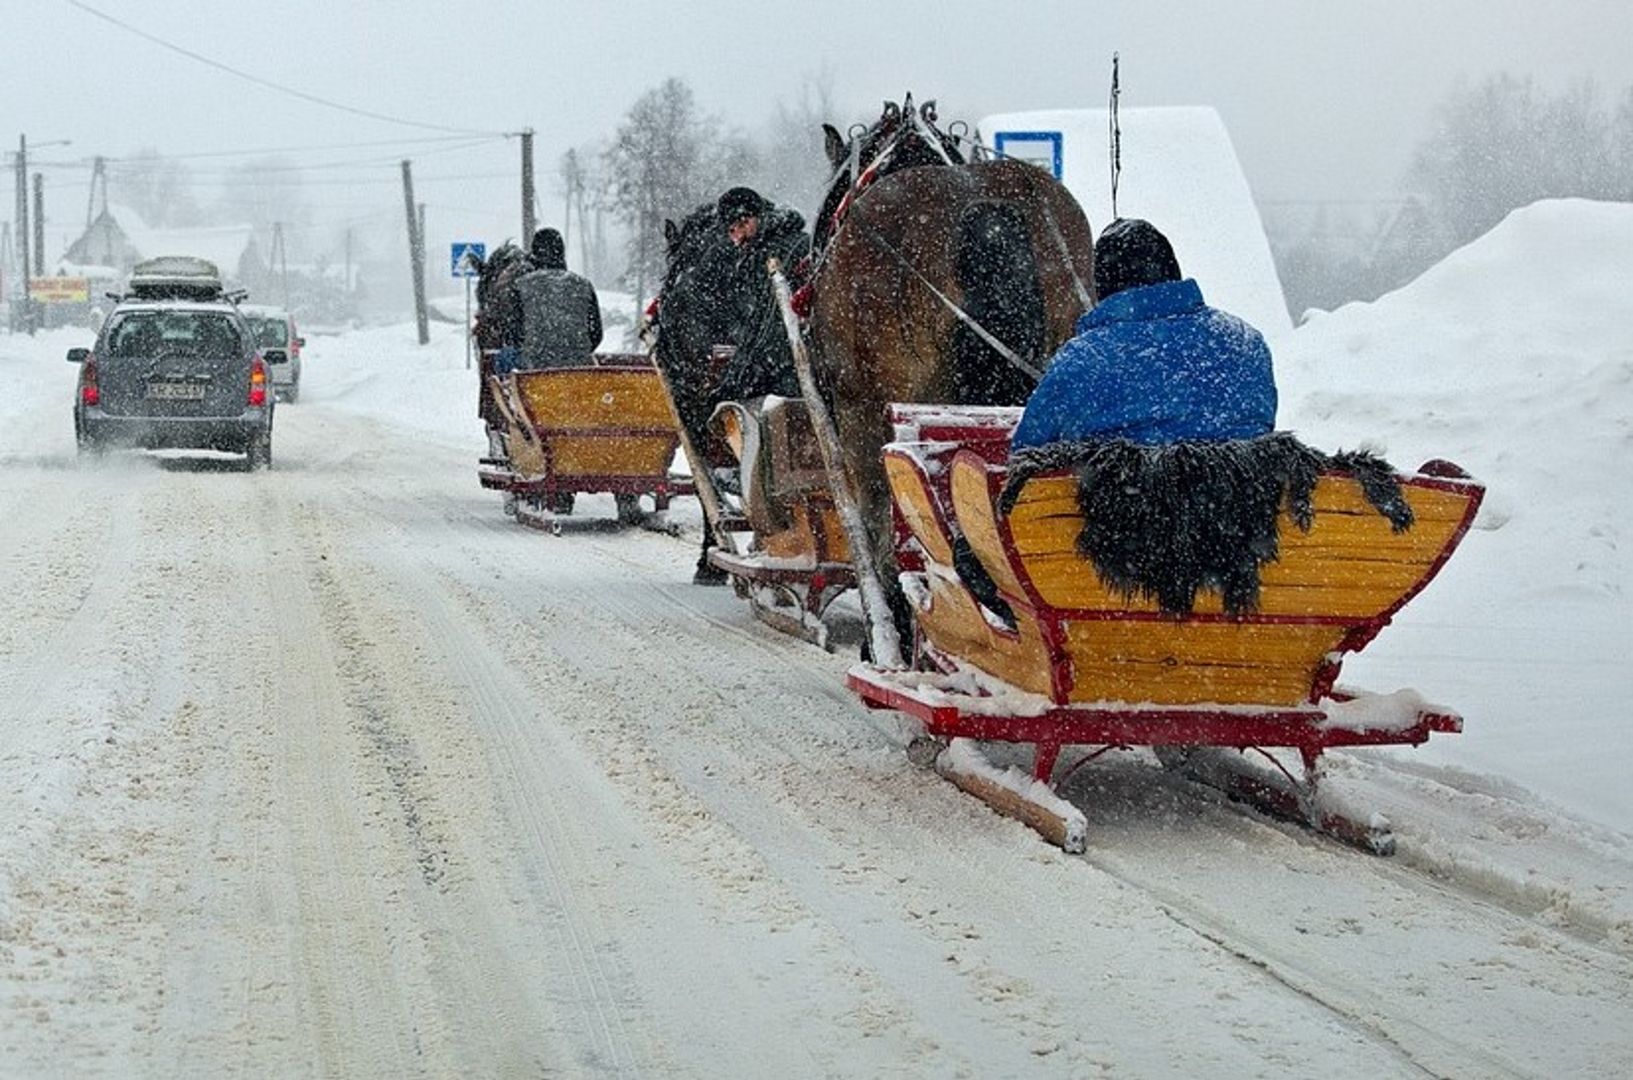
385,374
1512,358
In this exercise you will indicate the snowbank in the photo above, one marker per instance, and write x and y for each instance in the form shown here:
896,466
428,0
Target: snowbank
1512,358
385,374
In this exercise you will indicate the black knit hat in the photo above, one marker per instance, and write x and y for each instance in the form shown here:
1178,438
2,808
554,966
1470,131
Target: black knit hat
739,203
1130,253
549,250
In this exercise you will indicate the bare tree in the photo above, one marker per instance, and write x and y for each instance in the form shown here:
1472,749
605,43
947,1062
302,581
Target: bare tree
156,187
1503,144
654,169
794,165
262,192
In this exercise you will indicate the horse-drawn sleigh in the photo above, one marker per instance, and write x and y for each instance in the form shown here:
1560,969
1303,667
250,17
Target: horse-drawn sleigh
603,427
950,286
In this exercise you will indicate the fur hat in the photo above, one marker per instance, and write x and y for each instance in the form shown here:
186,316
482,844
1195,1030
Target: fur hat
739,203
1130,253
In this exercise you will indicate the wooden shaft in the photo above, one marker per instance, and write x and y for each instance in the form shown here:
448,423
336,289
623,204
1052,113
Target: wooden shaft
875,609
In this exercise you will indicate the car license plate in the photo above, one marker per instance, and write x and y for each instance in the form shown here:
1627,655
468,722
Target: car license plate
175,391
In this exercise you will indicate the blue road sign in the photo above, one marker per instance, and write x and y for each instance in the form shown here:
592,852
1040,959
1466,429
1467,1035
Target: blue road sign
465,257
1041,148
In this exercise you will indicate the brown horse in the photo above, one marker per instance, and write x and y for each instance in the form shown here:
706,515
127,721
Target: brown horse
1003,241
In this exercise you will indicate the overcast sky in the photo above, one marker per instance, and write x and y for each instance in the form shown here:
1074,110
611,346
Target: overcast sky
1324,99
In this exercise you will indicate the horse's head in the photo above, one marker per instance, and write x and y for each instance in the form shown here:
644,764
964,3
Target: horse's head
687,244
905,136
489,269
698,298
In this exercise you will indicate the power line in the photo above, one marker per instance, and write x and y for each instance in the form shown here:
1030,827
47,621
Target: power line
327,181
128,167
290,90
320,147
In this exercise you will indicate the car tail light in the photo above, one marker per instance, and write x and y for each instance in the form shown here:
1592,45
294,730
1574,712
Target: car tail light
257,382
89,392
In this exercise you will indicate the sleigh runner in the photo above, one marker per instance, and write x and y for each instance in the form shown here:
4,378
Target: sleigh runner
602,428
1077,663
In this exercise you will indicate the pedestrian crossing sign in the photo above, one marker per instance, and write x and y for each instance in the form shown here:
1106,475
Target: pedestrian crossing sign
466,257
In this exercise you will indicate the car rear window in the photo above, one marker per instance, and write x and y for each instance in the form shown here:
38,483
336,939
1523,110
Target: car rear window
270,333
175,333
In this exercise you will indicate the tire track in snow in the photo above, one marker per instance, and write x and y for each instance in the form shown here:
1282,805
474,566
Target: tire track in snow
608,1046
677,817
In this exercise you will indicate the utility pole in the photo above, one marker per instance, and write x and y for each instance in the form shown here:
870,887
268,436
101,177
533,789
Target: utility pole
280,256
583,234
416,254
569,175
22,225
39,224
99,174
348,262
530,221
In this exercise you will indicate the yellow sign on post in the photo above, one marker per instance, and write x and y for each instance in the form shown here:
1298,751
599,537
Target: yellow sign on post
59,290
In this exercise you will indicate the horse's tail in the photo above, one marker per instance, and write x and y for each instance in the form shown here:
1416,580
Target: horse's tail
998,273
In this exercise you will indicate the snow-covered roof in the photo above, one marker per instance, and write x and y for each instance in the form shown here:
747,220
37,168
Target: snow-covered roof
1180,173
221,244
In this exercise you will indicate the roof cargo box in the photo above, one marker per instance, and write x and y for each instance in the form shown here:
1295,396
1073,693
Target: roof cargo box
176,277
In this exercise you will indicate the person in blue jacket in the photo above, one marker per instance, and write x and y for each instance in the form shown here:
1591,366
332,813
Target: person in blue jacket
1151,363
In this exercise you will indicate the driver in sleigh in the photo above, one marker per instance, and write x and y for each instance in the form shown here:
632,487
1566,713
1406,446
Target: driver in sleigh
764,362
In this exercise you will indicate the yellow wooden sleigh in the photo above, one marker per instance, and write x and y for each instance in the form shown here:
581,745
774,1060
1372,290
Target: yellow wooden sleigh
1084,665
604,427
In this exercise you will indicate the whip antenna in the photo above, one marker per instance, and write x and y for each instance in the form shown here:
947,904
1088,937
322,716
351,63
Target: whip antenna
1116,133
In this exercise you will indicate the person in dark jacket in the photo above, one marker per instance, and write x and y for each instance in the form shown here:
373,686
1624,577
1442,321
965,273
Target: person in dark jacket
490,334
1151,363
763,364
561,315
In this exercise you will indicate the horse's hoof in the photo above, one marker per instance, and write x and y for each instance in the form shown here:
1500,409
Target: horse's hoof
710,575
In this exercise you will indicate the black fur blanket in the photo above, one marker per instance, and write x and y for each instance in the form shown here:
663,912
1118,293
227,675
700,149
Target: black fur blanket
1166,521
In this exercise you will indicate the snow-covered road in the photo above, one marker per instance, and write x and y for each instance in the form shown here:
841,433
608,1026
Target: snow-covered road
335,771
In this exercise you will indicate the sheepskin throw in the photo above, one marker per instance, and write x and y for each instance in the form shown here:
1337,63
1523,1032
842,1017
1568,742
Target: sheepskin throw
1164,521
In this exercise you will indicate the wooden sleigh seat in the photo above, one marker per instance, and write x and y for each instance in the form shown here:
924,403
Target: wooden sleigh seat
1084,665
796,559
604,427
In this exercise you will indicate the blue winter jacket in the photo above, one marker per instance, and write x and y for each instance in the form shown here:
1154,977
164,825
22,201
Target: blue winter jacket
1154,364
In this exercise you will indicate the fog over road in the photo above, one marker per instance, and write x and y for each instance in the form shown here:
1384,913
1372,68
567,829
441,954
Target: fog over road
333,771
